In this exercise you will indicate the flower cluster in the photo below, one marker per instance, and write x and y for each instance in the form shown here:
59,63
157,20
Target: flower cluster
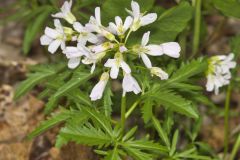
218,73
95,41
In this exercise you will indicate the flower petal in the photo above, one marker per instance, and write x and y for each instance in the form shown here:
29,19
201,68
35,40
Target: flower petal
52,33
114,72
125,67
78,26
127,23
118,21
146,60
135,9
98,15
154,50
92,38
58,15
73,62
52,48
149,18
145,38
98,90
110,63
171,49
112,28
45,40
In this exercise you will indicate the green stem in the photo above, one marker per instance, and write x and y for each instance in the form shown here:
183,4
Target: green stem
197,25
183,43
129,32
132,108
226,120
123,111
235,148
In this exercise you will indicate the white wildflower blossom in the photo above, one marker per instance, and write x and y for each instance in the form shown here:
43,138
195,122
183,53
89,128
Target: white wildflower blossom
54,38
171,49
101,47
117,63
95,25
66,12
84,34
130,84
139,19
93,58
95,43
218,73
159,72
97,91
119,28
74,55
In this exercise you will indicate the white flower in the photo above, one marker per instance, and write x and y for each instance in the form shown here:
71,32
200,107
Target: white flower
130,84
218,73
66,12
115,64
93,58
98,89
159,72
101,47
74,55
54,37
120,28
95,25
171,49
84,34
139,19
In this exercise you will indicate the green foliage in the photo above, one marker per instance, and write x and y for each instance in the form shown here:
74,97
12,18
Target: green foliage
229,8
87,134
107,100
43,72
161,132
54,120
171,22
41,14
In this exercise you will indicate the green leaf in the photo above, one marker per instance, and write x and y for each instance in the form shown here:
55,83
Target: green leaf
146,145
147,110
78,78
236,148
188,70
51,104
113,155
235,46
107,101
34,27
175,102
53,121
174,142
130,133
99,119
161,132
33,79
171,23
138,154
183,74
60,141
87,134
229,8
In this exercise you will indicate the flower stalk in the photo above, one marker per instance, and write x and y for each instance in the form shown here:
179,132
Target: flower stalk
226,120
197,25
123,112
